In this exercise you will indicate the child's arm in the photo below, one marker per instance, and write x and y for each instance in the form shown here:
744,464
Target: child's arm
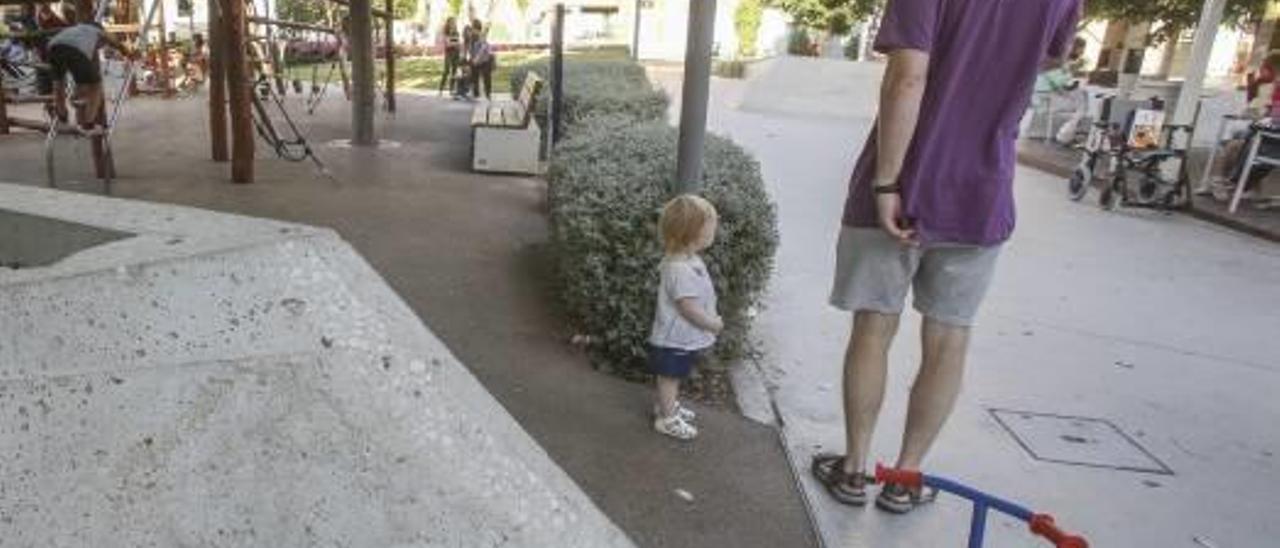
688,308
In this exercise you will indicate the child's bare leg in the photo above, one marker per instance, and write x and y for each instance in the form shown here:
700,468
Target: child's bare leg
60,100
668,392
89,96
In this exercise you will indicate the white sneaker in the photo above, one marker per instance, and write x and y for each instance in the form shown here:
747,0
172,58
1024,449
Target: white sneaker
675,427
685,414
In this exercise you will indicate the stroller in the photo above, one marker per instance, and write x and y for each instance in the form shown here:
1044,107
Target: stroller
1145,158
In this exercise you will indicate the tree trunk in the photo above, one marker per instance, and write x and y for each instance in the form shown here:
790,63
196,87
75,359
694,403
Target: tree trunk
1135,47
1113,46
1169,53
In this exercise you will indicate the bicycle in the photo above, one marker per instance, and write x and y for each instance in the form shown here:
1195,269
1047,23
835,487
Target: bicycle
1138,166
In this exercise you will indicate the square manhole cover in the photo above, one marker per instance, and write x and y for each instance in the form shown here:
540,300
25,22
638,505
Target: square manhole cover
1080,441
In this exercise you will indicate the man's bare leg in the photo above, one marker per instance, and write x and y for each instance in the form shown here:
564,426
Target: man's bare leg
934,393
866,365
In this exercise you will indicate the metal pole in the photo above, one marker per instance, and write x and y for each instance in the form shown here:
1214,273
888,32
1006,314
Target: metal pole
635,33
695,92
362,93
557,74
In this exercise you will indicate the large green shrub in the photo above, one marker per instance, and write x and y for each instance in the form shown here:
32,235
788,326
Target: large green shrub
608,183
596,88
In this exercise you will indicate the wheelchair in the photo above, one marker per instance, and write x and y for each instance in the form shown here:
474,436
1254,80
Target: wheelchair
1136,164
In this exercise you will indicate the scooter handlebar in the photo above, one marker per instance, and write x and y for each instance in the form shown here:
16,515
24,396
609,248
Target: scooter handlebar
911,479
1043,525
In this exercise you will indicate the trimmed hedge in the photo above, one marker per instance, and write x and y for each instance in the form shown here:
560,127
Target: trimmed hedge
595,88
608,182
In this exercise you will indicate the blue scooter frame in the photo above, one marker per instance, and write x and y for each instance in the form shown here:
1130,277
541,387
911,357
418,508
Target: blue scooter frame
1041,524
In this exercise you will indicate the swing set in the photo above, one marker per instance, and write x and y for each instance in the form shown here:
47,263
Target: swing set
262,108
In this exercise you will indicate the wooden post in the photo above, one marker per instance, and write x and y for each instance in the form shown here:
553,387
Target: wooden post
166,75
84,11
238,90
362,75
217,83
4,109
391,58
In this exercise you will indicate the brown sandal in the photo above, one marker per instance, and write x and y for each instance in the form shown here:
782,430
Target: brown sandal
849,489
898,499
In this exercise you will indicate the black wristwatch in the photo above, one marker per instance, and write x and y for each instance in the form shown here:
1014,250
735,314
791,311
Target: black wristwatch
887,189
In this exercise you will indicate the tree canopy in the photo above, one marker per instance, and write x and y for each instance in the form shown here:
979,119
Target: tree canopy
1171,14
836,16
313,11
302,11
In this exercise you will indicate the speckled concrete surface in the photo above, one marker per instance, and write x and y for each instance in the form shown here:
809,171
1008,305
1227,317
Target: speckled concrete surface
218,380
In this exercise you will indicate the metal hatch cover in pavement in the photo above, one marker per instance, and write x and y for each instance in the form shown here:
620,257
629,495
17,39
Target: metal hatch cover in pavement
1078,441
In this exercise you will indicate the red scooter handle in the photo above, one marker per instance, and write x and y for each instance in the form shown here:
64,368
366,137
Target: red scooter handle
911,479
1042,524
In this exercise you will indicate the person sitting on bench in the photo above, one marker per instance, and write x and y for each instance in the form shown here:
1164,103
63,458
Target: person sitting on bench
75,50
1264,100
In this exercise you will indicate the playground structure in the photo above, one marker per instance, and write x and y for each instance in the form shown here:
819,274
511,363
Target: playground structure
86,11
246,78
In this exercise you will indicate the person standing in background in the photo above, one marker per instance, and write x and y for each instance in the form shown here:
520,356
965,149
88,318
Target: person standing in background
452,53
482,62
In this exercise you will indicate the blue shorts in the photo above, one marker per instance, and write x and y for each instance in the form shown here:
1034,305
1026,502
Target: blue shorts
672,362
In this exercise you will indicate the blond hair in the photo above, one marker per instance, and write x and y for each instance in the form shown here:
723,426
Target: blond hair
682,221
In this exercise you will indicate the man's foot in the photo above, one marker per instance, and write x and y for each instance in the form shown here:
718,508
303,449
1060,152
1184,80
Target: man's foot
850,489
675,427
898,499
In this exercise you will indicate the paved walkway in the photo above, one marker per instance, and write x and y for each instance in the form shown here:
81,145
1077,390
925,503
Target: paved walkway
468,253
1160,324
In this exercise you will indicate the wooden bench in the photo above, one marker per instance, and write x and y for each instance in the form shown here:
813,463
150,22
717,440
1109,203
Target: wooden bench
505,136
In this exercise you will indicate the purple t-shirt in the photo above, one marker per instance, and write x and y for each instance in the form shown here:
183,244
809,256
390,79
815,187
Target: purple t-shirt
957,181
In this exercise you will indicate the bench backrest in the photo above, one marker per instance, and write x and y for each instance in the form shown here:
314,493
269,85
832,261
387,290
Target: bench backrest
528,97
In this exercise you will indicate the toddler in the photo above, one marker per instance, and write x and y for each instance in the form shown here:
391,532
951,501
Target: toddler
686,322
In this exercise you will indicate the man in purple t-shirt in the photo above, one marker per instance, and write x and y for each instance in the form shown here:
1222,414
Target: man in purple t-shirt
930,202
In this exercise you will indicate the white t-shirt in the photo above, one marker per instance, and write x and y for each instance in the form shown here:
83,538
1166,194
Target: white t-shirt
683,278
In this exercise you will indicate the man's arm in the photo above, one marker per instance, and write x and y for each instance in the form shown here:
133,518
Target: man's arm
117,45
901,94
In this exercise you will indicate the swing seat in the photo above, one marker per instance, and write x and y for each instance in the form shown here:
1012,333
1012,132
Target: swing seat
505,136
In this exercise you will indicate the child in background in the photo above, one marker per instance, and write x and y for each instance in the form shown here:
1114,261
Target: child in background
74,50
686,322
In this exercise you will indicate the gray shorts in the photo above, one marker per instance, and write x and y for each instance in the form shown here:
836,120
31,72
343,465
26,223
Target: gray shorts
874,272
